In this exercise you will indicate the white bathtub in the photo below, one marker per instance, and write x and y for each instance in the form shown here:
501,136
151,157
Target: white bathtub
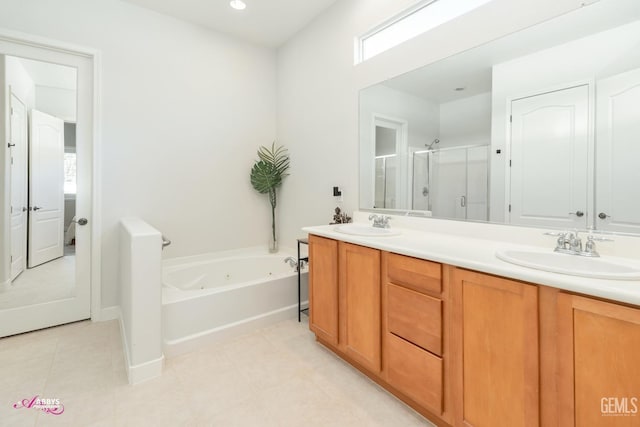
213,297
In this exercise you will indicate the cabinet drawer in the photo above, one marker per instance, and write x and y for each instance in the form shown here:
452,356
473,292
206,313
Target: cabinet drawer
417,274
415,317
415,372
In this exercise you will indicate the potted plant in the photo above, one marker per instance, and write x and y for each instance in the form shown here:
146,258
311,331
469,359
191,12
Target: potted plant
266,176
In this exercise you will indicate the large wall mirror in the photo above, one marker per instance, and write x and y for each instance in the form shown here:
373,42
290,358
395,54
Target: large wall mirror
540,128
41,125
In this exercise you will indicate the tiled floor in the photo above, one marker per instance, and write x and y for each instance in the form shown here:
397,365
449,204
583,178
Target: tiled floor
51,281
278,376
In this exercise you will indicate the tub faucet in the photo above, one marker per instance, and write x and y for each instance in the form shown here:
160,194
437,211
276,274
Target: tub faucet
294,263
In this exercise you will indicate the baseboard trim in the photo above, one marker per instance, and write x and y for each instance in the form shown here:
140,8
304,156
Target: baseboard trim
143,371
108,313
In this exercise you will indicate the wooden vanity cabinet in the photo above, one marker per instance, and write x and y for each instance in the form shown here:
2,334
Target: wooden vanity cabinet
471,349
413,344
359,307
495,324
598,363
344,299
323,288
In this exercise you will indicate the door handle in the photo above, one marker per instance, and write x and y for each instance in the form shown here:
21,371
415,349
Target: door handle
463,201
35,208
24,209
82,221
579,214
603,215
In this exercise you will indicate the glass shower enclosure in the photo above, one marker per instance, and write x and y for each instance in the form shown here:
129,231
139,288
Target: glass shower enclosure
452,182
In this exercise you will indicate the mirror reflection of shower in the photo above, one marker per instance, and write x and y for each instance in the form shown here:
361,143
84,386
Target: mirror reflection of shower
434,142
451,182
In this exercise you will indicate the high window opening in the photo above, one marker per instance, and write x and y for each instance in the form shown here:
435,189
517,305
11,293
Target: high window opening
419,19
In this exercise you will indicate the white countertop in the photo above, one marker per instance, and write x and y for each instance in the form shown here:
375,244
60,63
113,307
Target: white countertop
479,254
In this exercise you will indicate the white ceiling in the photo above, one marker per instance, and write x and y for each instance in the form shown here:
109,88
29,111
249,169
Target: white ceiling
265,22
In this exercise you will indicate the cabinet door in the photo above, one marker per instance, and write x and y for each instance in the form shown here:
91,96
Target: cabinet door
360,328
599,363
323,288
496,346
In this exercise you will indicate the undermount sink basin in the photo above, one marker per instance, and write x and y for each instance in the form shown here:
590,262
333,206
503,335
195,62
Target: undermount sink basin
366,230
574,265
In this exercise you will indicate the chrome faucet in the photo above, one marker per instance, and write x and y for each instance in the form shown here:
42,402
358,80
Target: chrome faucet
294,263
380,221
569,242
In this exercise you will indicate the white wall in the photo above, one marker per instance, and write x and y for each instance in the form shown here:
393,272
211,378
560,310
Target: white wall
183,111
466,121
141,299
592,57
318,90
57,101
20,81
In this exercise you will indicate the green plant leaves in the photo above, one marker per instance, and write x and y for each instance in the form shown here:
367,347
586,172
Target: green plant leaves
278,157
268,172
264,177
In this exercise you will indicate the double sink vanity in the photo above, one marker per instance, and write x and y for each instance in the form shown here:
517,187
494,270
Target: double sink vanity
482,324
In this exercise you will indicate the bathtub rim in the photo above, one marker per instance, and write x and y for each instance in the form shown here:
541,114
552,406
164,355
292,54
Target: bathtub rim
171,294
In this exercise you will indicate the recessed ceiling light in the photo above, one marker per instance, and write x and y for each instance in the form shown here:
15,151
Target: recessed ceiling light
237,4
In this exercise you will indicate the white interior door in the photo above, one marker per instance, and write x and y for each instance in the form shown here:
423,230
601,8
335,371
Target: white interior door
549,153
18,143
46,189
617,153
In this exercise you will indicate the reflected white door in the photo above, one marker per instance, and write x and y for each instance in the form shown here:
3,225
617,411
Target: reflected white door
617,153
549,146
46,188
18,142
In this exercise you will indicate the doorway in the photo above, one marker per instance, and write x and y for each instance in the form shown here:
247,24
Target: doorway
48,166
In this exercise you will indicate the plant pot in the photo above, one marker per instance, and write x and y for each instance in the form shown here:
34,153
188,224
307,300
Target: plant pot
273,245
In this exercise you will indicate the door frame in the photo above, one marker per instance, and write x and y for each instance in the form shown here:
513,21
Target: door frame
590,83
39,47
401,127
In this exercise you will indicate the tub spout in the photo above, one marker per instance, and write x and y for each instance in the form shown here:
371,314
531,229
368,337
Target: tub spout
292,261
